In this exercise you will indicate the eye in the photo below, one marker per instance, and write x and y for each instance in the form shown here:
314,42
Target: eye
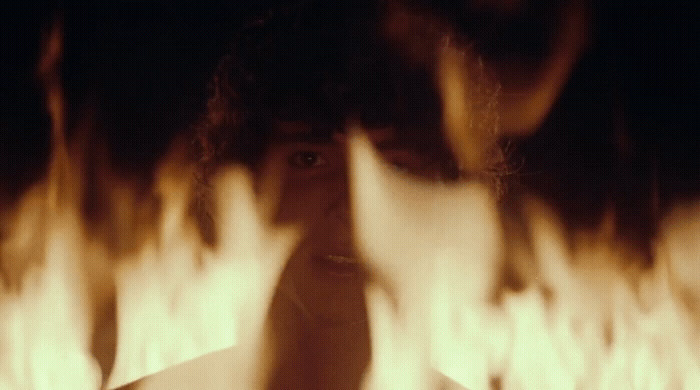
400,167
404,161
306,159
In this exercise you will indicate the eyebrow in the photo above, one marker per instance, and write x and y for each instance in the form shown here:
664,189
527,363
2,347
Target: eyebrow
386,142
311,138
392,143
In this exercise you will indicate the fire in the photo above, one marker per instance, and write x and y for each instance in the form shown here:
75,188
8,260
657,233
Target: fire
585,319
440,313
37,350
178,299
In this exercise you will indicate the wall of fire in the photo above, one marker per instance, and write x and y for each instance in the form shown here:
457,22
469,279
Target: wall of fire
624,130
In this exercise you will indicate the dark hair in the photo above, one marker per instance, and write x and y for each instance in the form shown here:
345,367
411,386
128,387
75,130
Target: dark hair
325,63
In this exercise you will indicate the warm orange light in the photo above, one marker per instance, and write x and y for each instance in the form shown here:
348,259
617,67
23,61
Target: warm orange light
178,299
585,318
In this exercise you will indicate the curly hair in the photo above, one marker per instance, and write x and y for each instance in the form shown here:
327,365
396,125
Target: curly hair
324,63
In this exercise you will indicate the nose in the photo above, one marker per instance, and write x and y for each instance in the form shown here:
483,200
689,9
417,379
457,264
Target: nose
338,207
338,215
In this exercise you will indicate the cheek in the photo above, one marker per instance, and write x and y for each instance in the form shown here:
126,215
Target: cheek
303,201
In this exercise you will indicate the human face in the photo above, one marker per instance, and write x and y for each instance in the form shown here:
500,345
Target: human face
318,313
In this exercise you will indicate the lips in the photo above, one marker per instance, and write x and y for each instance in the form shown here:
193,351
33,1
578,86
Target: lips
340,265
341,259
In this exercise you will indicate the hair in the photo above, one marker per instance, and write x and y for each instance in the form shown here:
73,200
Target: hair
325,63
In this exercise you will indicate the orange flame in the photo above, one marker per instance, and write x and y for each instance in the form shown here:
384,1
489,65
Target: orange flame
585,319
38,352
178,300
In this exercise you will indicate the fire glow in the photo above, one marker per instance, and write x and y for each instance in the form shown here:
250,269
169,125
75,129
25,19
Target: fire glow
583,320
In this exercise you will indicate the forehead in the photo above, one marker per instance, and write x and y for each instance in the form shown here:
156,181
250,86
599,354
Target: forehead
302,131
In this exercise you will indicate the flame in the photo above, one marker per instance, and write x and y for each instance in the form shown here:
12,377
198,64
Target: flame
176,298
586,318
37,350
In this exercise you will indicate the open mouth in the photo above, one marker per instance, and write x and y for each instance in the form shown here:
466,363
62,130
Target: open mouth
339,265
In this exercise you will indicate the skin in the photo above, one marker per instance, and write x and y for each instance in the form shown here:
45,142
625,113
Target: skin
318,318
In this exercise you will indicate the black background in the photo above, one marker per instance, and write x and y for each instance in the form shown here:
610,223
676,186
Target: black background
623,132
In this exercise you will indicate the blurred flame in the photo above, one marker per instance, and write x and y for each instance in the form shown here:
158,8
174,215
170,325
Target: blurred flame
524,109
586,318
38,352
471,142
436,244
178,300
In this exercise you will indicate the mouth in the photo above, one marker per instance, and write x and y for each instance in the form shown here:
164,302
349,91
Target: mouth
339,265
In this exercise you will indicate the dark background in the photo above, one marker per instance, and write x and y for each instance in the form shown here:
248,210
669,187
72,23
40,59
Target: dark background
624,131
